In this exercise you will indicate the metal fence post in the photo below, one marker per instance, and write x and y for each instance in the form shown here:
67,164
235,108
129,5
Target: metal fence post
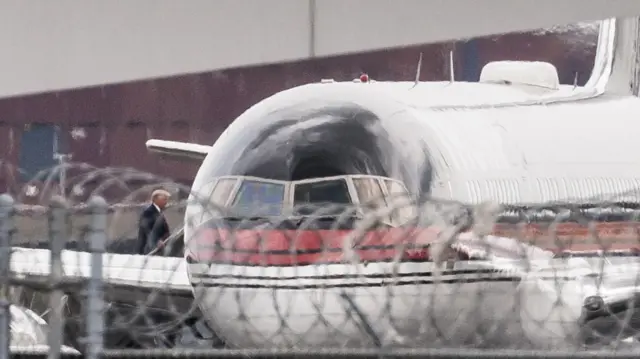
7,211
95,308
58,215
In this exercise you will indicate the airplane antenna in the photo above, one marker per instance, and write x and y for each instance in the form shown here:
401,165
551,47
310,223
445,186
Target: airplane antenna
575,80
452,75
417,80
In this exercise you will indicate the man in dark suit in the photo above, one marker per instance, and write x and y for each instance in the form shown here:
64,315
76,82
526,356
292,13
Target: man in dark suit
153,228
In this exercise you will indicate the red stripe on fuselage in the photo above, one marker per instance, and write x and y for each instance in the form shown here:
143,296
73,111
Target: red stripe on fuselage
291,247
299,247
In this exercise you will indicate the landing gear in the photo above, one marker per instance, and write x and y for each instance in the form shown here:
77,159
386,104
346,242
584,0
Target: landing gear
195,333
156,330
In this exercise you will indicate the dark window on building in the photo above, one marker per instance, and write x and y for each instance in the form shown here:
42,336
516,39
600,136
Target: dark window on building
38,145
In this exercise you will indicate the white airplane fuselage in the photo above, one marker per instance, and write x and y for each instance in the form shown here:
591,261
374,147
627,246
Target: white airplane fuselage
470,142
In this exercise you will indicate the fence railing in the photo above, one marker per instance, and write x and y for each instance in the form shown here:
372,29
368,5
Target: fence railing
452,280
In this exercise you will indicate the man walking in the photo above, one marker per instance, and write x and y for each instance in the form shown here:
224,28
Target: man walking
153,228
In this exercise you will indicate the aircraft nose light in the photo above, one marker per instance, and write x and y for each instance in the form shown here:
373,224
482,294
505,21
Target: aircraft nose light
593,303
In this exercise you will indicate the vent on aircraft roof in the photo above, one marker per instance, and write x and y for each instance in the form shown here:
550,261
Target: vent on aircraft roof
529,73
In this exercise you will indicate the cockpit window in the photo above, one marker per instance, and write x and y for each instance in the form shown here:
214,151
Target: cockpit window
222,191
345,196
370,196
369,192
209,200
199,208
257,198
404,210
308,196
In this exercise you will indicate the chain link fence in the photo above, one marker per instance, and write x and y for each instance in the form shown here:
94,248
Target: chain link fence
453,280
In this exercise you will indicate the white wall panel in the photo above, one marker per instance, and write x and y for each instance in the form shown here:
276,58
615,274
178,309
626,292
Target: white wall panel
53,45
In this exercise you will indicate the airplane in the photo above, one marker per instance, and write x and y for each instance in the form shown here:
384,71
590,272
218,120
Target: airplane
266,268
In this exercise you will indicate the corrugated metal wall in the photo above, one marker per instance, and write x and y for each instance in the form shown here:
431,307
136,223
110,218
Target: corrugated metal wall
108,126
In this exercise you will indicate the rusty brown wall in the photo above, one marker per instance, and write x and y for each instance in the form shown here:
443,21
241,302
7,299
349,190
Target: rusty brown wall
107,126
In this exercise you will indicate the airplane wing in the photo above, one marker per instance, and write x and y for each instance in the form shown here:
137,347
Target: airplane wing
31,267
178,149
161,283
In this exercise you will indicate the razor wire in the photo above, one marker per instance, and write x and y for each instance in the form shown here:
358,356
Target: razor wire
350,279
